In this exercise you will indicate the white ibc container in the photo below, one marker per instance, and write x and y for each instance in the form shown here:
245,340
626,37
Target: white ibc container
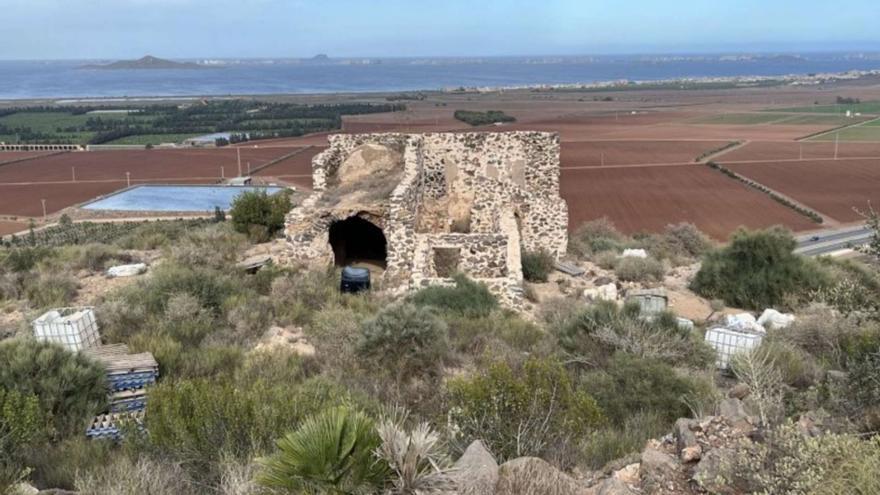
73,328
728,342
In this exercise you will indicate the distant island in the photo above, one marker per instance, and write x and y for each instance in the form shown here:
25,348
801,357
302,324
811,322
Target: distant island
147,62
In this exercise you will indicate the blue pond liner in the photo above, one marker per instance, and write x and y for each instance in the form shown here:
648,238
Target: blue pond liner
174,198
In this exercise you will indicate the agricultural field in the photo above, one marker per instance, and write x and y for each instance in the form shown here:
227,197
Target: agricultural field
596,153
254,119
832,187
741,118
142,165
861,132
11,156
795,150
296,169
8,227
865,107
649,198
154,139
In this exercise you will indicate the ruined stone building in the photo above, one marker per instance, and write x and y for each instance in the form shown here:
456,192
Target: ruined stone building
425,206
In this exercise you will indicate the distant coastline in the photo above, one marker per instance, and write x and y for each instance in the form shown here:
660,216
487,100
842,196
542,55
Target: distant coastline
148,62
57,80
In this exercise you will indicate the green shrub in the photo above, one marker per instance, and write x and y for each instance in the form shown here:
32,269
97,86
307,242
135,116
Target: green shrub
216,246
532,410
58,464
22,424
686,239
616,441
595,237
331,452
50,288
466,298
259,215
23,259
70,387
537,266
629,384
633,269
200,420
595,333
180,361
407,340
795,366
93,257
790,463
863,386
758,270
298,296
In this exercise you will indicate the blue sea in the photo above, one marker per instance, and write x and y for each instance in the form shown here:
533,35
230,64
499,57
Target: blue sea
67,79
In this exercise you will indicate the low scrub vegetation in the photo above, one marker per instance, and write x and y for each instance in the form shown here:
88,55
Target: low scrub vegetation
276,381
537,266
260,215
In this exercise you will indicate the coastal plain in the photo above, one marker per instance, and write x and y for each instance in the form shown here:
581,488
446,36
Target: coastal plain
638,157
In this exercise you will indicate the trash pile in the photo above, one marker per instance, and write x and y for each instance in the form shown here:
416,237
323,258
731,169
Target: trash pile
743,332
127,374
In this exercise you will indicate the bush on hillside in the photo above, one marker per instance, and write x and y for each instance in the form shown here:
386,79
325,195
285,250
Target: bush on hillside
330,452
408,341
50,288
532,410
758,270
22,424
629,384
594,237
260,215
466,298
70,387
633,269
537,265
595,333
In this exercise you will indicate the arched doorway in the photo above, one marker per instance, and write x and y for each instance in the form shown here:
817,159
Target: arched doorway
355,240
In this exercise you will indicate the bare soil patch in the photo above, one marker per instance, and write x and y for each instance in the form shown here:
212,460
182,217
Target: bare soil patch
650,198
595,153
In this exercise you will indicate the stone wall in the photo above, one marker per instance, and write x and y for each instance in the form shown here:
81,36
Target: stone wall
505,184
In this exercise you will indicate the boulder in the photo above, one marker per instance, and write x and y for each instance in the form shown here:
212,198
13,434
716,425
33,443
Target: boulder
603,281
126,270
739,391
629,474
712,469
634,253
733,410
771,318
607,292
684,434
656,466
476,471
614,486
533,476
691,454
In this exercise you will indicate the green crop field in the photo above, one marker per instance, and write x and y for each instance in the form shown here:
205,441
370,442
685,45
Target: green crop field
867,107
739,118
829,120
153,139
855,133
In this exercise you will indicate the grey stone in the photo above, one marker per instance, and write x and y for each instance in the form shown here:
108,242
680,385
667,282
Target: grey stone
476,471
739,391
683,432
732,409
656,466
713,469
613,486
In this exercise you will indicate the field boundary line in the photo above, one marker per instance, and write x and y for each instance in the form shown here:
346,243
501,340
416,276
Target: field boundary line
26,158
280,159
777,196
727,148
835,129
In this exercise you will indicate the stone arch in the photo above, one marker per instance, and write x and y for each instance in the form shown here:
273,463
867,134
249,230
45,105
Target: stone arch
358,240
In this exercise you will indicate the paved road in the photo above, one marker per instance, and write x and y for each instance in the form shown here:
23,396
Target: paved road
832,240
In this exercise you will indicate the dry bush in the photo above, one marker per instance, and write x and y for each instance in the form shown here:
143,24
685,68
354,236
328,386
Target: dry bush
215,246
758,370
125,477
633,269
416,457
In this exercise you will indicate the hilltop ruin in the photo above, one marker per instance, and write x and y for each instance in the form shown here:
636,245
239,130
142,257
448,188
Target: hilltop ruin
425,206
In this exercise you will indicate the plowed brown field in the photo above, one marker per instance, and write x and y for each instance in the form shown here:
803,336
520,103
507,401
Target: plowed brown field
7,228
590,153
142,164
298,164
833,187
776,150
649,198
717,132
8,156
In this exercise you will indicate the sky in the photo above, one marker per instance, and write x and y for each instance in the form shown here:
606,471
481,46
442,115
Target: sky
117,29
